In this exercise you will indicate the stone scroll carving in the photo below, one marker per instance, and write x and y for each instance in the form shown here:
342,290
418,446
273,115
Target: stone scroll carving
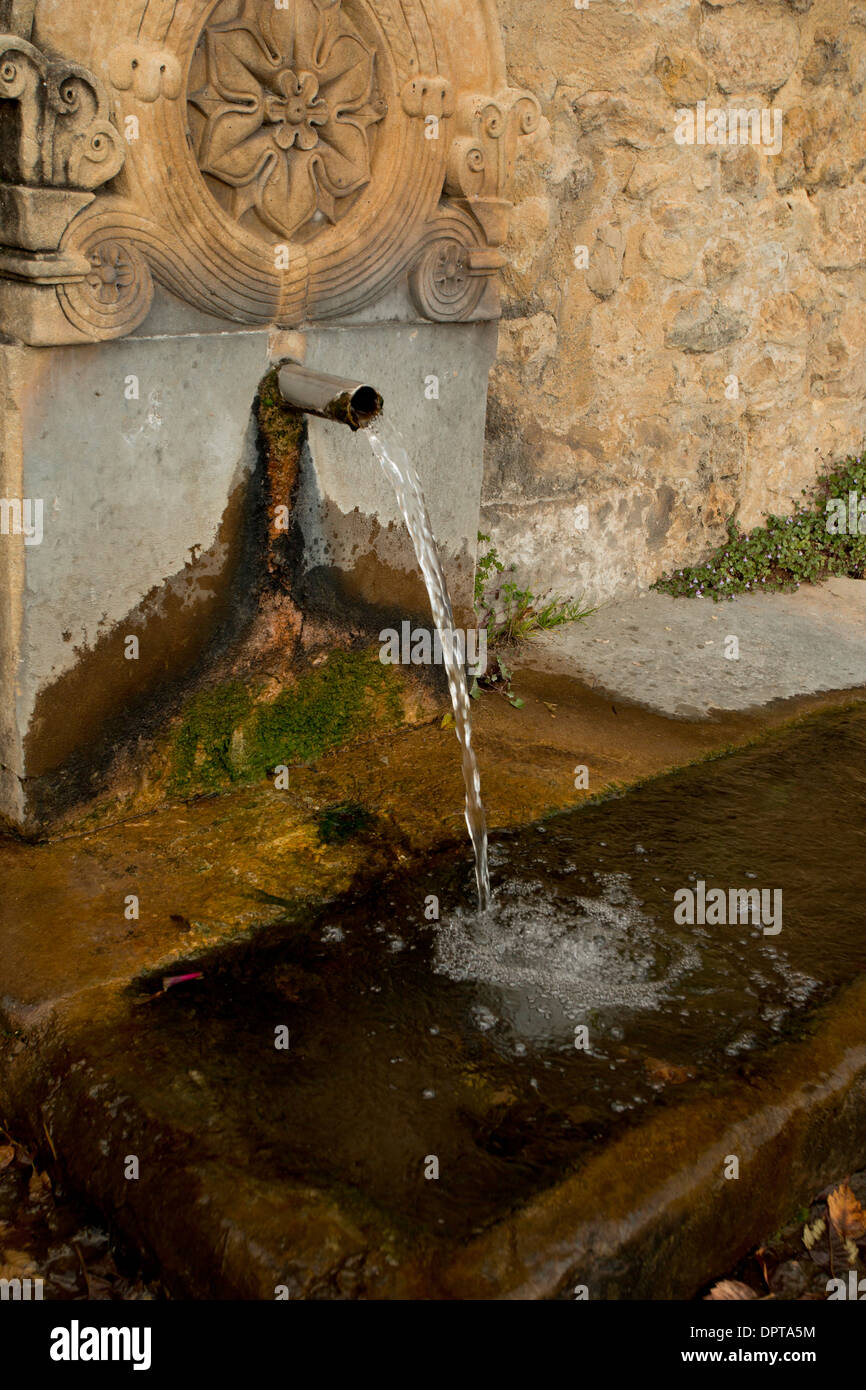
58,135
268,161
57,145
481,157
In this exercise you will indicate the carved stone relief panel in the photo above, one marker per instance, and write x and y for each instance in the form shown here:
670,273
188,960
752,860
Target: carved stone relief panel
269,161
282,105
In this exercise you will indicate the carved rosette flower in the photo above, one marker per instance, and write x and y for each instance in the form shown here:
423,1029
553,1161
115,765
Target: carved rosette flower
112,273
285,103
115,295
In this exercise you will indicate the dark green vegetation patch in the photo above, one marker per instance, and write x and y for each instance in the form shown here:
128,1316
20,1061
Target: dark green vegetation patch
342,821
822,538
226,737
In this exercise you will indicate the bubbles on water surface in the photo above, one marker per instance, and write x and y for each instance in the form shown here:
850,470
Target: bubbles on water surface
552,960
548,960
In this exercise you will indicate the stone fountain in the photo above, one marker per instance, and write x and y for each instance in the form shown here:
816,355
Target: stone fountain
190,191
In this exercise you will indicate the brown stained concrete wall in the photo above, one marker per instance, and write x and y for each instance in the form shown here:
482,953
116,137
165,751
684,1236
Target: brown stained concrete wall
144,454
704,263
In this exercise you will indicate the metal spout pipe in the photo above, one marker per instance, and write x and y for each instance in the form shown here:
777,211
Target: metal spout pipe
331,397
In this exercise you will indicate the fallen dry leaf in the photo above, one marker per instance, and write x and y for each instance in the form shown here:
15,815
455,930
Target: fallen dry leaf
7,1154
666,1071
729,1289
812,1234
846,1213
827,1248
39,1187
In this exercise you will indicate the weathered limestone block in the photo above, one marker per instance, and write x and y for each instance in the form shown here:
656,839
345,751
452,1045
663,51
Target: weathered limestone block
672,256
750,47
829,59
684,78
528,342
605,261
783,319
842,245
704,326
823,147
647,176
743,174
773,373
620,118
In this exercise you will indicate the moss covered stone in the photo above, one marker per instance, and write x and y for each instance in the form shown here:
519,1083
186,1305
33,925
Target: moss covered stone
202,747
225,736
281,425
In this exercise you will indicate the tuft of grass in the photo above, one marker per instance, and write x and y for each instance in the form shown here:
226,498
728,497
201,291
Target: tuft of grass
786,551
510,614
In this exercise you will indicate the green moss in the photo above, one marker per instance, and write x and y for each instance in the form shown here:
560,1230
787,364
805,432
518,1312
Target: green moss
281,425
225,737
350,695
201,748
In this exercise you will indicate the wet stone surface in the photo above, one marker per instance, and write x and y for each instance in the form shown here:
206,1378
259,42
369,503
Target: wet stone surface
454,1038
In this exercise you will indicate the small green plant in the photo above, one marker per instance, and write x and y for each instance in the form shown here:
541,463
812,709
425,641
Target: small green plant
786,551
510,613
496,677
486,565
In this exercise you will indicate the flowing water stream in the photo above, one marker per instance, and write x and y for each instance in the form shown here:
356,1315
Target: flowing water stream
392,455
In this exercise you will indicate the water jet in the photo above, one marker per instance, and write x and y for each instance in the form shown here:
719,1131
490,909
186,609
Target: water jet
360,406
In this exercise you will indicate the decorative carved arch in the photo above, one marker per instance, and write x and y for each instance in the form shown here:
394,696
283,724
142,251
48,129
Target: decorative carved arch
292,159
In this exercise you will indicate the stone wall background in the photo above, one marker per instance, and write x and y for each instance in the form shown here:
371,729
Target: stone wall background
609,389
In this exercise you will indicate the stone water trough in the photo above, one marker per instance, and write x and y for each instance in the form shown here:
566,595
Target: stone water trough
206,208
